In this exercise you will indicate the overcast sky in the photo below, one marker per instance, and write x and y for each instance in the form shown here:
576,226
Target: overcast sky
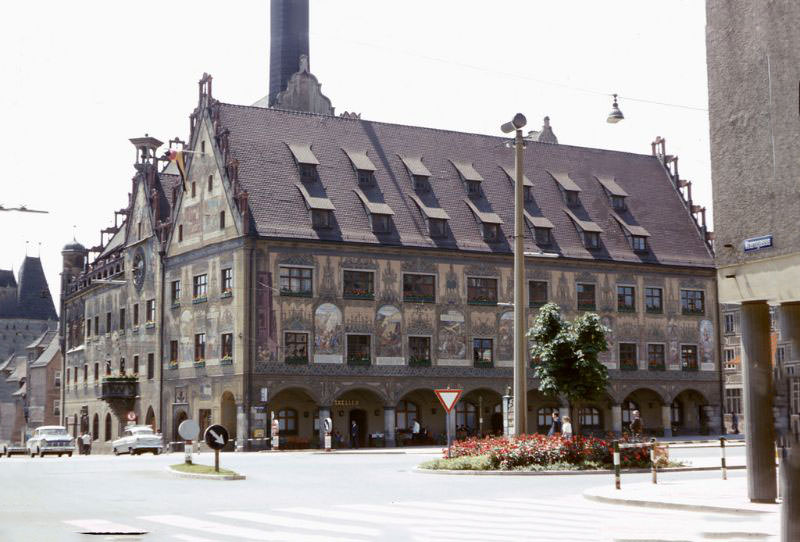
79,78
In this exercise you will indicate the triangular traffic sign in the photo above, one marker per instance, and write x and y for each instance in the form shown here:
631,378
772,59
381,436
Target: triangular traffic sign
448,398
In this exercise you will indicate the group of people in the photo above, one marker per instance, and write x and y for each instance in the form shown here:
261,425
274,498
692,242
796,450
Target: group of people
557,427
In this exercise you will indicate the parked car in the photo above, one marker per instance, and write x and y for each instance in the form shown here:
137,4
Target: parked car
50,439
137,439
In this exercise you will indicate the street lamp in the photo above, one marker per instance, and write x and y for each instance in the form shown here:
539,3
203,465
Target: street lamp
520,378
616,115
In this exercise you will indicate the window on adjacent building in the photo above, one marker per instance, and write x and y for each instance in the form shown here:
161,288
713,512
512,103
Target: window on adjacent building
381,223
359,349
210,183
287,421
591,239
173,351
200,347
780,354
135,315
729,354
656,357
419,349
227,280
150,310
180,232
542,236
653,300
626,299
419,288
122,318
437,227
296,281
689,357
692,301
482,351
481,291
97,325
227,346
96,371
85,373
537,293
194,189
139,230
175,292
586,300
222,220
151,366
296,347
136,364
320,218
358,284
57,378
627,357
56,407
639,243
200,286
108,322
730,323
88,327
733,400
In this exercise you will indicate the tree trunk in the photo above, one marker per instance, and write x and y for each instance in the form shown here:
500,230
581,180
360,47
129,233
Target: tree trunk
576,428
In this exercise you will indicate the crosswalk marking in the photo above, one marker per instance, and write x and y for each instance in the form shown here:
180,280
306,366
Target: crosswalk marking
284,521
103,526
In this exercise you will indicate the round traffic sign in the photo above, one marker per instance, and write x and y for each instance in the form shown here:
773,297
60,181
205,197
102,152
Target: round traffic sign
131,416
216,437
188,430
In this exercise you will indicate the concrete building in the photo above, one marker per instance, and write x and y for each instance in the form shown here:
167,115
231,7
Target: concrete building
26,311
753,67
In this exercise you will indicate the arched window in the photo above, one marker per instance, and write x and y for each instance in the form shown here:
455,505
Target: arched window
467,415
627,411
287,421
544,418
108,427
96,427
405,414
590,418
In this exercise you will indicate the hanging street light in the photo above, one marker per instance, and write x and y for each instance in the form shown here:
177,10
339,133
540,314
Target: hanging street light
616,115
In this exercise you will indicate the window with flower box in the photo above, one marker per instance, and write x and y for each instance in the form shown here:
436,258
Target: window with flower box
199,348
692,302
296,348
482,355
296,281
226,349
481,291
656,357
627,356
226,282
419,288
359,285
419,351
653,300
586,298
626,299
359,349
689,357
199,288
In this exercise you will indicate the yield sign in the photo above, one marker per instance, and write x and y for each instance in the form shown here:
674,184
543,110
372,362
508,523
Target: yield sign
448,398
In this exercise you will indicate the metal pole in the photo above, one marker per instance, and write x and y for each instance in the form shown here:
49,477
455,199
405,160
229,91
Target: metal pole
187,449
722,458
216,460
653,460
617,482
520,353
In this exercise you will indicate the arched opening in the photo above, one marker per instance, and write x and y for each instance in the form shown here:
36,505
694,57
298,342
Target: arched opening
96,427
688,413
364,408
228,417
108,427
298,417
540,409
423,406
477,415
150,418
180,417
649,404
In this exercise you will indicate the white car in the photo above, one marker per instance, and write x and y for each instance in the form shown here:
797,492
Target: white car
137,439
50,439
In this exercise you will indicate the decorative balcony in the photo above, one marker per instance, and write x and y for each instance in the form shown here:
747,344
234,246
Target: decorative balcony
119,388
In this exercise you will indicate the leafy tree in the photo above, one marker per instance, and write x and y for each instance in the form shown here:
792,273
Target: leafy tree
565,355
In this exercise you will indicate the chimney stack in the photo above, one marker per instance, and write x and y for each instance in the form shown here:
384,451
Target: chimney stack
288,40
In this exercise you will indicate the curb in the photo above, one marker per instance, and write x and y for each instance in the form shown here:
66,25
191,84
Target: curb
219,477
674,506
564,472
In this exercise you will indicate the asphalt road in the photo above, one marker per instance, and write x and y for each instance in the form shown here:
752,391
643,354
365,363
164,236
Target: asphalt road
302,496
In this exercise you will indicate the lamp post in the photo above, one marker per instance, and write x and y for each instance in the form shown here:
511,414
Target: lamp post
520,368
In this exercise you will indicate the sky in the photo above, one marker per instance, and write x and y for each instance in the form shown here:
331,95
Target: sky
80,78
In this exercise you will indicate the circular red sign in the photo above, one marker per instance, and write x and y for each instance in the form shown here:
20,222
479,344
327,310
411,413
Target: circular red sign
131,416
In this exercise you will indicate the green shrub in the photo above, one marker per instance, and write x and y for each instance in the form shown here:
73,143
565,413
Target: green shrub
479,462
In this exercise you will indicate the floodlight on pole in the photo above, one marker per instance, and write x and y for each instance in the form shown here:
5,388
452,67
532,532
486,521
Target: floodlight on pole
616,115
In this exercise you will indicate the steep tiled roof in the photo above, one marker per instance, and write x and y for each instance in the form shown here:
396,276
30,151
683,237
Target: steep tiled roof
34,300
259,140
7,279
52,348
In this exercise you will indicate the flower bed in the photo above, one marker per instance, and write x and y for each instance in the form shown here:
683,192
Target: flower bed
531,452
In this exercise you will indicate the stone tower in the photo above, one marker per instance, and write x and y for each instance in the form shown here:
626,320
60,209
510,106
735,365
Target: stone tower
288,40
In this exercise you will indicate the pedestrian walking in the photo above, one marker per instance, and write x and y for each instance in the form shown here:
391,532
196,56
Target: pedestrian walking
415,429
735,423
354,435
637,427
86,441
566,428
555,424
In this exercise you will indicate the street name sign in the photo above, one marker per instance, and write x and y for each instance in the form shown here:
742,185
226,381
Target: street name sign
216,437
448,398
758,243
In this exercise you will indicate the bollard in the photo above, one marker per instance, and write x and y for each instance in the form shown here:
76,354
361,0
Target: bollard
616,465
653,460
722,458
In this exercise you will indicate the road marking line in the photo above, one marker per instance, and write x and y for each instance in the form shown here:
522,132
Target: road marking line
226,530
284,521
190,538
103,526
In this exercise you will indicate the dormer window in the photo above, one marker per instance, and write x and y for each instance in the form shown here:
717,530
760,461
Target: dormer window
591,240
568,187
436,216
437,227
320,218
366,178
571,197
365,169
527,194
306,161
474,188
491,232
614,191
421,183
527,185
542,236
618,203
490,221
380,223
308,173
470,176
639,243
